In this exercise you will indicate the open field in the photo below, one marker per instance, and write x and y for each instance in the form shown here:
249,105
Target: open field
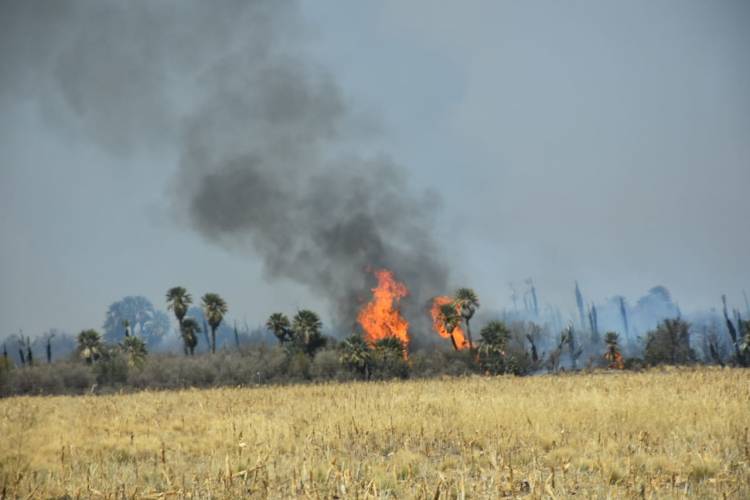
663,433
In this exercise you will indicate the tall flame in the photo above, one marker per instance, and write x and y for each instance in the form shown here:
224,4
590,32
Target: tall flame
381,318
457,337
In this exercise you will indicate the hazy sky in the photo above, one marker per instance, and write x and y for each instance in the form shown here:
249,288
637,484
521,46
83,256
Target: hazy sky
604,142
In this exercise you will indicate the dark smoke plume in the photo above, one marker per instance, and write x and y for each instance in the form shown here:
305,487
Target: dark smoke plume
268,146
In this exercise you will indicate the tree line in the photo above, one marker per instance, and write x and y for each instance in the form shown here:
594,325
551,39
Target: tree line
305,353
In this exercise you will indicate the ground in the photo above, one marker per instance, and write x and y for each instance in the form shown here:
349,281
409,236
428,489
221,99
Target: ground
657,434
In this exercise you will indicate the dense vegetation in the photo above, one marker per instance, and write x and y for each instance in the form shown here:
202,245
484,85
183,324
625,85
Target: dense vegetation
301,353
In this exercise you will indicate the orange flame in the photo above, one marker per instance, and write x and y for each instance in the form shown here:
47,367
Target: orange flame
381,318
457,337
615,360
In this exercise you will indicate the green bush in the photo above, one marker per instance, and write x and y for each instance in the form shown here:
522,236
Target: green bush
111,369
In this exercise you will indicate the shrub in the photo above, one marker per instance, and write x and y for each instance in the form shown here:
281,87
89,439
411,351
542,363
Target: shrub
197,372
75,377
154,373
669,343
299,366
111,369
269,364
460,363
40,379
430,362
5,368
232,369
325,365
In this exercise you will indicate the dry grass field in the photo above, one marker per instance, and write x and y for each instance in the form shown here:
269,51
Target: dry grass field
659,434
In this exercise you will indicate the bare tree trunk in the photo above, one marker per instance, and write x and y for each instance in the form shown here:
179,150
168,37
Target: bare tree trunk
213,339
205,335
468,335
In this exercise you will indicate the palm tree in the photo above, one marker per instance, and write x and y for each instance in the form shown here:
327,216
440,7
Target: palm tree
306,324
495,333
306,330
190,329
89,345
135,350
205,331
356,354
178,300
279,324
613,354
214,309
491,355
389,344
450,319
389,358
467,302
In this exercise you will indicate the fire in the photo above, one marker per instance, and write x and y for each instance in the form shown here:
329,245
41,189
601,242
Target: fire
615,360
381,317
457,337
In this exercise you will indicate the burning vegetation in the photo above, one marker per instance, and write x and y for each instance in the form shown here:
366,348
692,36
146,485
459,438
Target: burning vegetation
380,349
381,317
446,321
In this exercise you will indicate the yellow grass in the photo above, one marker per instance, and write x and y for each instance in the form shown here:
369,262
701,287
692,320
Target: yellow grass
660,434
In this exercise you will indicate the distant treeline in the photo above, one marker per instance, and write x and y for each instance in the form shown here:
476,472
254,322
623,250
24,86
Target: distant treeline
500,349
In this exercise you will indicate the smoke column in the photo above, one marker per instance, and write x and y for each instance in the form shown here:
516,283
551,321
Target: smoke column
269,149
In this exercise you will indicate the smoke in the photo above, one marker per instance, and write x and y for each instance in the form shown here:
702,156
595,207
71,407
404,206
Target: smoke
268,147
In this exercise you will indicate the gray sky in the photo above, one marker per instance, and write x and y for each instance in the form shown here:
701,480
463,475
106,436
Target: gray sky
607,142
